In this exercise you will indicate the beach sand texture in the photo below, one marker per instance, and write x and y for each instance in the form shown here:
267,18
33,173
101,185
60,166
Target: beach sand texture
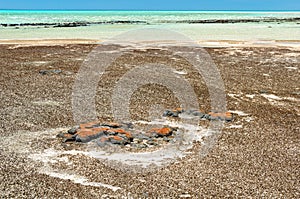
257,155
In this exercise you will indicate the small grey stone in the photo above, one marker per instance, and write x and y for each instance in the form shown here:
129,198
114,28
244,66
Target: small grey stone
143,137
138,146
152,143
128,125
169,113
73,130
206,116
198,113
263,91
71,139
56,71
110,132
61,135
69,73
44,72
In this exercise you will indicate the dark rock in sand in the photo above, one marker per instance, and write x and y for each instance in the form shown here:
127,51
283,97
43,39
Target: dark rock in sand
210,116
198,113
128,125
48,72
152,143
67,137
220,116
173,113
73,130
263,91
168,113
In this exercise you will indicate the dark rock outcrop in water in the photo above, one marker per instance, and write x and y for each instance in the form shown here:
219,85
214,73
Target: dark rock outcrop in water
200,21
71,24
224,21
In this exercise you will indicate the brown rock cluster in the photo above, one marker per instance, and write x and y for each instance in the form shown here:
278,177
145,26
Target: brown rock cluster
125,134
227,116
116,134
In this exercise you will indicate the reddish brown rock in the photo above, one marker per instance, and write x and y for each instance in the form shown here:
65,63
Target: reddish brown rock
227,116
112,125
178,110
89,125
64,135
117,140
122,131
86,135
162,131
100,129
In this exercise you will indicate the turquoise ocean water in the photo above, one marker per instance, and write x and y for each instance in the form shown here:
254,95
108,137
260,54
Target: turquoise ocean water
101,25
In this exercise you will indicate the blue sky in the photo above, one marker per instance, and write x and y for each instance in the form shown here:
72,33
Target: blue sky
153,4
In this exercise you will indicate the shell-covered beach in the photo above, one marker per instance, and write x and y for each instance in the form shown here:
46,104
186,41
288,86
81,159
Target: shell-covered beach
256,154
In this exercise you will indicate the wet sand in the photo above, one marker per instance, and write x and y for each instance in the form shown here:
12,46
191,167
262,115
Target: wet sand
257,155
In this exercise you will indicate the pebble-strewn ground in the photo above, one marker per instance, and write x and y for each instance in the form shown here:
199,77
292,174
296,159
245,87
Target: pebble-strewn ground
257,154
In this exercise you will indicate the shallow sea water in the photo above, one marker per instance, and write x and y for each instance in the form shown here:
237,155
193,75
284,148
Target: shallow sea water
149,19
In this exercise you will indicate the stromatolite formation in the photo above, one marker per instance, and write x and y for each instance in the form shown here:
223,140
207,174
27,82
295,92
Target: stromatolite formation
125,134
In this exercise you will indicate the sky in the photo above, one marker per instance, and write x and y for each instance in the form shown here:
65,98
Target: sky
153,4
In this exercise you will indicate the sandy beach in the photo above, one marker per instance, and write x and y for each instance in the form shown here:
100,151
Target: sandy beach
256,155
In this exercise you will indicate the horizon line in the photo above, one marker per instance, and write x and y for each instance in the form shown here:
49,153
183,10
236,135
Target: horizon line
244,10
